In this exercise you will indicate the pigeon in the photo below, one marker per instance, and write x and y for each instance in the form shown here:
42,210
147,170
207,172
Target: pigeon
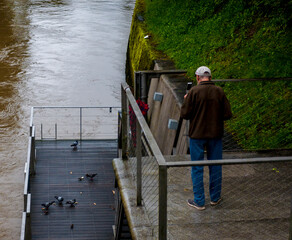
80,178
46,207
59,199
74,145
91,176
72,202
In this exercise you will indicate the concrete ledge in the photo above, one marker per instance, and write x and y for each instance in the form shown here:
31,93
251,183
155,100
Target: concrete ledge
138,221
256,201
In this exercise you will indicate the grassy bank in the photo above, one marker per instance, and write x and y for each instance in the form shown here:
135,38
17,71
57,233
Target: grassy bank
236,39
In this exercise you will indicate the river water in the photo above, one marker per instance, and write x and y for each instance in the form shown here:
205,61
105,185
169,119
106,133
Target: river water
53,53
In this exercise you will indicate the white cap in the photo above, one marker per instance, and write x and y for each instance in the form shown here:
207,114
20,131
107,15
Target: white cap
203,71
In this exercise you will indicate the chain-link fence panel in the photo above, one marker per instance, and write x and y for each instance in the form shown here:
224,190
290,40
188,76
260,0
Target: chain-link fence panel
256,203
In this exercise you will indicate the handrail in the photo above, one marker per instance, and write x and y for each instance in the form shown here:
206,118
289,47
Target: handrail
40,107
144,126
229,161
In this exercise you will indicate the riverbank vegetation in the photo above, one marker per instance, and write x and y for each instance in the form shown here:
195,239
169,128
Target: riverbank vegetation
236,39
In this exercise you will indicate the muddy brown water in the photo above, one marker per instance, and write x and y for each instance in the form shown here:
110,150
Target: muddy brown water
53,53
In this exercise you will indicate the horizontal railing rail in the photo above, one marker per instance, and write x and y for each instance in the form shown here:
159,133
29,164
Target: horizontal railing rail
74,122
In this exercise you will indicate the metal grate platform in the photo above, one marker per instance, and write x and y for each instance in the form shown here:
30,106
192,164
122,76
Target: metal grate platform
58,168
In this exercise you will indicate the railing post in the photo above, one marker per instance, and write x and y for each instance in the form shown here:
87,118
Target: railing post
290,228
162,228
124,125
139,165
144,90
80,125
32,155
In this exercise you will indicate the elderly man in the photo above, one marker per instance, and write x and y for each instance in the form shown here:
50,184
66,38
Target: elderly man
206,106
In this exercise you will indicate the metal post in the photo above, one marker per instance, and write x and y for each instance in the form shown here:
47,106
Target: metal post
139,165
290,228
144,91
56,131
137,85
41,131
124,125
162,202
32,155
80,124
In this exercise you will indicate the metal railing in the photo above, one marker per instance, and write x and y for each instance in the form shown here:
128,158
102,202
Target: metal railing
158,180
78,123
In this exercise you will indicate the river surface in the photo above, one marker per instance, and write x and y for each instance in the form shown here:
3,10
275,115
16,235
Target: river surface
53,53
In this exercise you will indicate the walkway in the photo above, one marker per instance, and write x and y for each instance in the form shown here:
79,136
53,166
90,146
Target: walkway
58,170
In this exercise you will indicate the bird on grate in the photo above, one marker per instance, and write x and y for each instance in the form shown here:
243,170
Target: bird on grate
72,202
46,206
74,145
59,199
91,176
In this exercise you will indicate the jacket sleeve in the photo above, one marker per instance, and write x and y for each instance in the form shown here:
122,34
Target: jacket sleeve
227,109
187,107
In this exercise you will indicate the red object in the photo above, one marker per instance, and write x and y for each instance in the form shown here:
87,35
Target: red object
144,109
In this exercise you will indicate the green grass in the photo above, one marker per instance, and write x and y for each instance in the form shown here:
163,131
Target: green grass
235,39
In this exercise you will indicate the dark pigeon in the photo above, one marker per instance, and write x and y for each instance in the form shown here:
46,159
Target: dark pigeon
59,199
91,176
72,202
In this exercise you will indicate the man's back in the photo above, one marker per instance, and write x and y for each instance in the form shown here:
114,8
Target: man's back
206,107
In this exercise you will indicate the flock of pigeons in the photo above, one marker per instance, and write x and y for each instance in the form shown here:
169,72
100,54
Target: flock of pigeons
60,202
61,199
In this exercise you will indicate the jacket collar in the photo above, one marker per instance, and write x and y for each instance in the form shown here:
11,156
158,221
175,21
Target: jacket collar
206,83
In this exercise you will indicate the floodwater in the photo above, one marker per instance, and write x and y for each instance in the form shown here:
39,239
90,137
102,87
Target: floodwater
53,53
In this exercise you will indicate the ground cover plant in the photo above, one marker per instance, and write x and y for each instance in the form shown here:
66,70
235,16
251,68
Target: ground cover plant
236,39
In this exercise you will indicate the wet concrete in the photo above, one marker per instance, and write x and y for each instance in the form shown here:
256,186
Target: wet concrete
256,201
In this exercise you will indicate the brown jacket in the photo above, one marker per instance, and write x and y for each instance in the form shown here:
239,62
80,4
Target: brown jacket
206,106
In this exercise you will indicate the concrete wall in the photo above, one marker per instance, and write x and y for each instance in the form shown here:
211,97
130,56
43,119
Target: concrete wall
173,89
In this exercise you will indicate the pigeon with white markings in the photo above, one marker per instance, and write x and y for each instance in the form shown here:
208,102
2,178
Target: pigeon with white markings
74,145
59,199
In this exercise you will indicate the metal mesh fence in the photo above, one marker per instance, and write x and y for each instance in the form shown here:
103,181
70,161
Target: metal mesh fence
149,174
256,197
261,114
75,122
256,203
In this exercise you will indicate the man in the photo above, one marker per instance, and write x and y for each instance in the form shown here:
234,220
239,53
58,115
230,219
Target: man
206,106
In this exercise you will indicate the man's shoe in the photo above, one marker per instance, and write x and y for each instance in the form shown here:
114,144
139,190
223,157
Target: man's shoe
216,203
194,205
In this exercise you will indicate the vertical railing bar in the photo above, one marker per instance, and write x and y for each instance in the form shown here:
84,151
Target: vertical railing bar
41,131
56,131
31,121
124,125
162,227
80,115
290,227
139,165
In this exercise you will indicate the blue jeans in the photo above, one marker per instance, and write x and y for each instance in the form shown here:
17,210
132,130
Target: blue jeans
214,152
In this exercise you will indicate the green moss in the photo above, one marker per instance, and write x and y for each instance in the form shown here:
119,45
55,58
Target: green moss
141,52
